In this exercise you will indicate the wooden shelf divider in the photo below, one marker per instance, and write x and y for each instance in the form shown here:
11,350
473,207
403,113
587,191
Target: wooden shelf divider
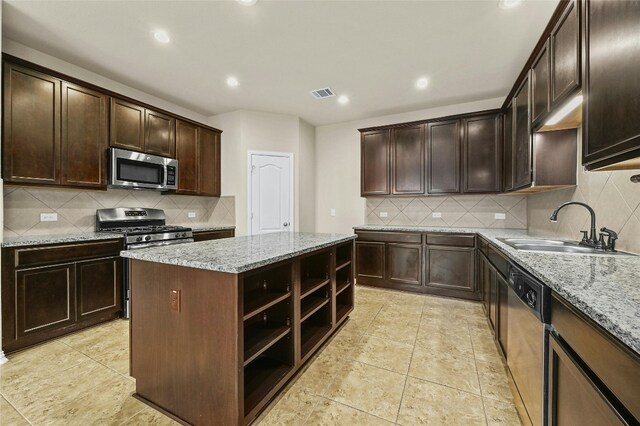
312,308
259,301
310,285
260,337
342,264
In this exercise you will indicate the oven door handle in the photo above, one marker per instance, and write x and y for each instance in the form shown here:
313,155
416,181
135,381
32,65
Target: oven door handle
159,244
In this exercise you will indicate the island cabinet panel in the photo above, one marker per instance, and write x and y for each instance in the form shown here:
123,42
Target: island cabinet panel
540,86
407,160
215,348
187,156
443,156
159,134
31,126
611,129
127,125
84,142
52,290
374,163
186,342
564,45
482,154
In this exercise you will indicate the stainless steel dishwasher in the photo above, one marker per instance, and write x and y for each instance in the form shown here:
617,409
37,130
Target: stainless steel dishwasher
527,342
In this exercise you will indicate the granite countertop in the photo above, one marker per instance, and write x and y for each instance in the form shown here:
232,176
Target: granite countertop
38,240
606,288
240,254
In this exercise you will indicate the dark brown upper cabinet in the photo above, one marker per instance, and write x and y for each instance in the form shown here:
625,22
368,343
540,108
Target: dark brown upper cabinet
374,162
55,133
198,155
159,134
507,148
564,47
31,128
443,156
482,154
540,86
407,160
611,83
187,156
127,125
84,142
522,173
208,162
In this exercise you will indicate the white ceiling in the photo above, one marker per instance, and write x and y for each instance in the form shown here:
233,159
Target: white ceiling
280,50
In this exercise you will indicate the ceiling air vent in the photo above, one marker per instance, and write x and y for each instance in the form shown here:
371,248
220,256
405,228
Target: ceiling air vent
322,93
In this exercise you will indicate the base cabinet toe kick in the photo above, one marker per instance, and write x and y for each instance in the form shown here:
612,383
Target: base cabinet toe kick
214,348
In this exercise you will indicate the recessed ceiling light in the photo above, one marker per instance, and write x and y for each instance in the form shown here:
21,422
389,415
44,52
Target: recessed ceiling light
161,36
247,2
232,82
422,83
508,4
343,99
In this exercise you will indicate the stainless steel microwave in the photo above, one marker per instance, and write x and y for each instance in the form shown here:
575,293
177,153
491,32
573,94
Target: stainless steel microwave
129,169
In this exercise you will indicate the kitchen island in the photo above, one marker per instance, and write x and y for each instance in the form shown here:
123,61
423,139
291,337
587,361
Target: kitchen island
219,327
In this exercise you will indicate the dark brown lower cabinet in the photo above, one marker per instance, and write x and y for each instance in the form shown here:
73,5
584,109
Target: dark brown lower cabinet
435,263
52,290
45,299
503,306
404,263
370,260
450,268
213,235
574,398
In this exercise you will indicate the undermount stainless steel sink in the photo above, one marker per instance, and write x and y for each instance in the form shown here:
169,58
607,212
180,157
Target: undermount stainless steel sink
556,246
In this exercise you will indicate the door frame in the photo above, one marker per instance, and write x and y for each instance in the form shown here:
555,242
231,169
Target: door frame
288,155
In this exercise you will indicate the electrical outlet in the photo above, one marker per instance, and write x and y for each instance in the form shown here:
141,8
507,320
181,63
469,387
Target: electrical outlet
436,214
333,212
500,216
191,215
384,214
174,300
48,217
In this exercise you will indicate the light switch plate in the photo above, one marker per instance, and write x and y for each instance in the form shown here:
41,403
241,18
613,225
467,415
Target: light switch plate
384,214
333,212
436,214
500,216
48,217
191,214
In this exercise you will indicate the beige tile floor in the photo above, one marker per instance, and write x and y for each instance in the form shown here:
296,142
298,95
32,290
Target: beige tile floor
401,359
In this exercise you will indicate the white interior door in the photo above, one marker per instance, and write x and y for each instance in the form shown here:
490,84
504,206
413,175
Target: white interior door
270,195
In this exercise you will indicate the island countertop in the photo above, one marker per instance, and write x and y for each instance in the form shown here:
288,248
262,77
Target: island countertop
240,254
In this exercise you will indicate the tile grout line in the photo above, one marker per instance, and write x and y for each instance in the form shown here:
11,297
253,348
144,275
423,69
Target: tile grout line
17,411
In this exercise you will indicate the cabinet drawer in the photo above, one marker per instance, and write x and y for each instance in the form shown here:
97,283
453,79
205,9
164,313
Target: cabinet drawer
461,240
498,260
616,366
390,237
39,256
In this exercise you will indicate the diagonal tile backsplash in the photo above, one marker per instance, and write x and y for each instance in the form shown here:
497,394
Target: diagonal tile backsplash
466,211
77,209
615,199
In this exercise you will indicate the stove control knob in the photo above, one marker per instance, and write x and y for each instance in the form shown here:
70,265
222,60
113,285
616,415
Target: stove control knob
147,238
138,239
178,235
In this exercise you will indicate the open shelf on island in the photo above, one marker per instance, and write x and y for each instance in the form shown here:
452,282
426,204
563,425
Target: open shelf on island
260,377
342,286
266,288
257,301
316,300
342,264
309,285
314,328
259,337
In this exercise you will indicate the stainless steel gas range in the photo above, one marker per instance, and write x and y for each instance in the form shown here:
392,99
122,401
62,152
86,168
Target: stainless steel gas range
141,227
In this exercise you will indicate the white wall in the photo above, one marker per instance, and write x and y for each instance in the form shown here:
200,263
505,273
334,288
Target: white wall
338,164
28,54
245,131
307,177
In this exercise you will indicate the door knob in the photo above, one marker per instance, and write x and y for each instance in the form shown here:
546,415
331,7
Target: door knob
285,224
